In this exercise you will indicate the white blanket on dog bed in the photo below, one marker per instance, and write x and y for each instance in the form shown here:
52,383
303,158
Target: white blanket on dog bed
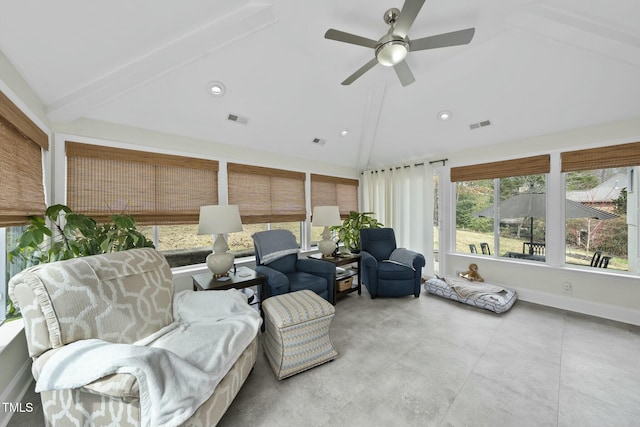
468,289
479,294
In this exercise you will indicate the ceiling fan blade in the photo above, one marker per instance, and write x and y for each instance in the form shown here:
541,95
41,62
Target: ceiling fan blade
454,38
408,14
341,36
404,73
366,67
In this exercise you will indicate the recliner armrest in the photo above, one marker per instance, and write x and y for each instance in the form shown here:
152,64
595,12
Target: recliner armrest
408,257
314,266
275,279
368,260
320,268
419,261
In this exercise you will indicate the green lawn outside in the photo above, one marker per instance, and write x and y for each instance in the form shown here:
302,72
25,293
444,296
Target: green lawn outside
575,256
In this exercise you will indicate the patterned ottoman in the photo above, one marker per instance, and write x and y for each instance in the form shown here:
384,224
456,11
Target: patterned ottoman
297,332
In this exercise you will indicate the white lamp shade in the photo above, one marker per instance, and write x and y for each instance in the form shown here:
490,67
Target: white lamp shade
218,219
326,216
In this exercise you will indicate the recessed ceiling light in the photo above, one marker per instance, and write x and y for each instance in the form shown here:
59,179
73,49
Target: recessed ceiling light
444,115
216,88
344,132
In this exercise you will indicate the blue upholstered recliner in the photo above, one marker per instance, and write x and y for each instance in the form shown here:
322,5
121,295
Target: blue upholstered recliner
388,271
285,272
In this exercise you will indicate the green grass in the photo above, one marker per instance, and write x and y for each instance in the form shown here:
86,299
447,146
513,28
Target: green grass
173,237
575,256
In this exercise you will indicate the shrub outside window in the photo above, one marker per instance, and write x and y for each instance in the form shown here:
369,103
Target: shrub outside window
589,241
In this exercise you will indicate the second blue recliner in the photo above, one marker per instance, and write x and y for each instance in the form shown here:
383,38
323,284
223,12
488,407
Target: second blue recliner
389,271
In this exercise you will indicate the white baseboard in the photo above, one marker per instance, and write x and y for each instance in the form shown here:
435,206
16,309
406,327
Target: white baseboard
606,311
16,390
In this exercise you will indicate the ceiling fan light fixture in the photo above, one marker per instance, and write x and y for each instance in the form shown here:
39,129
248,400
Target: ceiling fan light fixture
392,52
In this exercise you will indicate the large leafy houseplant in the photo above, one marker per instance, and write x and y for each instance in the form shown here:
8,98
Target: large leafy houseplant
73,235
349,231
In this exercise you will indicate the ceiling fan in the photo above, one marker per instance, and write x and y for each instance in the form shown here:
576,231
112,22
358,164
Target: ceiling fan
394,46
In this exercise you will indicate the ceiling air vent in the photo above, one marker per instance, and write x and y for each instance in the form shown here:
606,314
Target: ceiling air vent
480,124
238,119
319,141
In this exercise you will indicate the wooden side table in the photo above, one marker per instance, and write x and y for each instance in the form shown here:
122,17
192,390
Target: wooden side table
343,260
243,277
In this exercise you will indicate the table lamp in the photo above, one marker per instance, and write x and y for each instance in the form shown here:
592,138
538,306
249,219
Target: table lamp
326,216
219,219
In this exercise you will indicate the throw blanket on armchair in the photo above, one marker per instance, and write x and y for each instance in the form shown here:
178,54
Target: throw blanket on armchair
181,366
274,244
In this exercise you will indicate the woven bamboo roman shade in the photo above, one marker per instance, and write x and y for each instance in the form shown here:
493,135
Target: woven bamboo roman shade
21,145
614,156
266,195
504,169
154,188
334,191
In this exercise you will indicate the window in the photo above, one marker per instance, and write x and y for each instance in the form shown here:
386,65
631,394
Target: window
514,191
153,188
268,199
241,243
603,180
332,191
21,179
156,189
266,195
8,237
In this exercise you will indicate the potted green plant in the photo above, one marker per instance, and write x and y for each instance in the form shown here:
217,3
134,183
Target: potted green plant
349,231
76,235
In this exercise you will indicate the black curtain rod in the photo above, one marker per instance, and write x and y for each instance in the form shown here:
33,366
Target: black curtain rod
396,168
438,161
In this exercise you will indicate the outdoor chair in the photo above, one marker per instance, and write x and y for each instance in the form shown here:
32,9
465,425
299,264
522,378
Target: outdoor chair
473,248
533,248
485,248
600,261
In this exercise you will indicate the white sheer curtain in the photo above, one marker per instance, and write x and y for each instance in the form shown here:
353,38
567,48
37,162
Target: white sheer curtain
402,198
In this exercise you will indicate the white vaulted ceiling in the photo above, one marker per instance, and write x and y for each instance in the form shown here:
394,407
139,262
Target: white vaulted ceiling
532,68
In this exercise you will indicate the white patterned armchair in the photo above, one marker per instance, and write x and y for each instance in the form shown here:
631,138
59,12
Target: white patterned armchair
124,298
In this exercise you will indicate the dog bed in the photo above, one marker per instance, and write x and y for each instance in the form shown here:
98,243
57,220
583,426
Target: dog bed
478,294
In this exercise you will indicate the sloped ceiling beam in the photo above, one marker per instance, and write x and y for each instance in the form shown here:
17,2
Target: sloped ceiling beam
579,31
213,36
370,123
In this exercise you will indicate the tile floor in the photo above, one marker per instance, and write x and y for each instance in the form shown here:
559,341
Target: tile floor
435,362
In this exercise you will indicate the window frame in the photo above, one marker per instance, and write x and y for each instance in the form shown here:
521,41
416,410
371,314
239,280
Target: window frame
495,171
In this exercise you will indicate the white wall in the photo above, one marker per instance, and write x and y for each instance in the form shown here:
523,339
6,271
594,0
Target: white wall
601,293
85,130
